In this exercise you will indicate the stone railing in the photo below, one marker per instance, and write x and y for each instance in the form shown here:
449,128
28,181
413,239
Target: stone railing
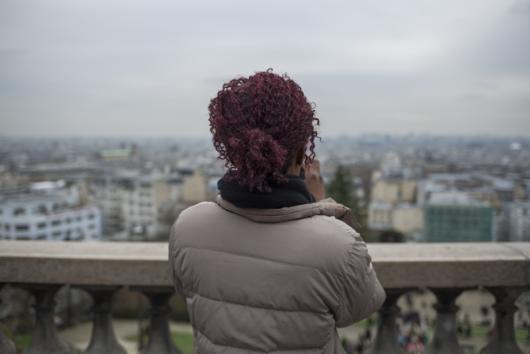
102,268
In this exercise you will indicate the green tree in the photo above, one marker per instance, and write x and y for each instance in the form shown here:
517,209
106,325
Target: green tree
391,236
342,189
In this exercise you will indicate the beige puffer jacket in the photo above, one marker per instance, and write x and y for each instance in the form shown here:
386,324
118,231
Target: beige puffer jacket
271,280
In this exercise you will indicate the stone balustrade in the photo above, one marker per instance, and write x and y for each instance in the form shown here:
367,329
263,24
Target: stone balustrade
101,268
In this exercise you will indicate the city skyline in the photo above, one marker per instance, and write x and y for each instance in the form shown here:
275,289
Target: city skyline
150,69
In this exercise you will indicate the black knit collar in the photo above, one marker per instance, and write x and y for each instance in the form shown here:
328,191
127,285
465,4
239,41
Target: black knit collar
292,193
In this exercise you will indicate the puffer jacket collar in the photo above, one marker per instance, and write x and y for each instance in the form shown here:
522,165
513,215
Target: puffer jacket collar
326,207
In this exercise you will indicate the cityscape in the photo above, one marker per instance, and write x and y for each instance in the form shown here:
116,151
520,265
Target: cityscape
405,188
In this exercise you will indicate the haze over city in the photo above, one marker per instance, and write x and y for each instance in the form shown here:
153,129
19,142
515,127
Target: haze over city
134,68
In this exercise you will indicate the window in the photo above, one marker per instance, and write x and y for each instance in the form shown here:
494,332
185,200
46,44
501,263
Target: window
56,222
41,237
21,227
41,225
57,234
7,227
91,226
91,216
19,211
68,220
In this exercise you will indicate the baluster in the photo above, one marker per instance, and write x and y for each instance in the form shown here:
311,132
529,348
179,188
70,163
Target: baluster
386,339
44,338
503,339
445,340
103,339
160,341
6,345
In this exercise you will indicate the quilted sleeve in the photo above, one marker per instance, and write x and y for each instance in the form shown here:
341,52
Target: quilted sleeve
359,291
172,260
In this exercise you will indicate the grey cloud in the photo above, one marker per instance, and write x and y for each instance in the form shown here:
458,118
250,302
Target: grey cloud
131,67
521,7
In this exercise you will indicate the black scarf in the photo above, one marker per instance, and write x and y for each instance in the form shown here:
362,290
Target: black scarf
292,193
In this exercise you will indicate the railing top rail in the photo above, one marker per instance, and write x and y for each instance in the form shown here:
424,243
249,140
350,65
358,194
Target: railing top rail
409,265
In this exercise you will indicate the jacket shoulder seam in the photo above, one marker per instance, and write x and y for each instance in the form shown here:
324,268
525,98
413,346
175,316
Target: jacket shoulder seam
258,258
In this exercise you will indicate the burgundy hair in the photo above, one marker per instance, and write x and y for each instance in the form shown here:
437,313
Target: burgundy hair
258,124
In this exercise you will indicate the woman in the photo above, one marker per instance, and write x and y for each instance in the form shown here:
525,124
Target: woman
271,266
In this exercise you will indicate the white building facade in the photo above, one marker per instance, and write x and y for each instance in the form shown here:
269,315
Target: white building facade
135,205
53,214
519,221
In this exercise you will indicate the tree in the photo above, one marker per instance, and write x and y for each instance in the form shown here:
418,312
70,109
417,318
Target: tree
391,236
342,189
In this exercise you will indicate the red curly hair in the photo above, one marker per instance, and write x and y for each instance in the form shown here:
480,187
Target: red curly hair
258,125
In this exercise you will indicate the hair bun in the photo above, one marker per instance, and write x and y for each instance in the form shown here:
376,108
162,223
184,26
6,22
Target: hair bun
262,144
264,157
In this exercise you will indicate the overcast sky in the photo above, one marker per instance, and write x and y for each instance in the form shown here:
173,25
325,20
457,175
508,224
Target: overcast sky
105,67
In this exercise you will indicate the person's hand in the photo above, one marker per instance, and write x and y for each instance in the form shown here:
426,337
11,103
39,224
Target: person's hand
314,181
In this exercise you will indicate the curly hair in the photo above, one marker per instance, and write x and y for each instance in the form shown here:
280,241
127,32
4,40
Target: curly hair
258,124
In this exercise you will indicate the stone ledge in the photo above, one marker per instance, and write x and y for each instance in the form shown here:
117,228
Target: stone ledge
441,265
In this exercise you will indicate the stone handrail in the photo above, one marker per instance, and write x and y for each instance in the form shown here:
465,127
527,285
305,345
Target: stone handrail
439,265
102,267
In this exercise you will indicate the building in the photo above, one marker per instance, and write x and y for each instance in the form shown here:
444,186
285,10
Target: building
120,154
380,216
408,219
495,193
143,206
136,205
519,221
403,217
48,211
195,188
455,216
392,201
106,192
394,191
480,186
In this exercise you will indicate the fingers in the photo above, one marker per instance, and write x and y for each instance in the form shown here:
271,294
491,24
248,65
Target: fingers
314,166
314,180
312,170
